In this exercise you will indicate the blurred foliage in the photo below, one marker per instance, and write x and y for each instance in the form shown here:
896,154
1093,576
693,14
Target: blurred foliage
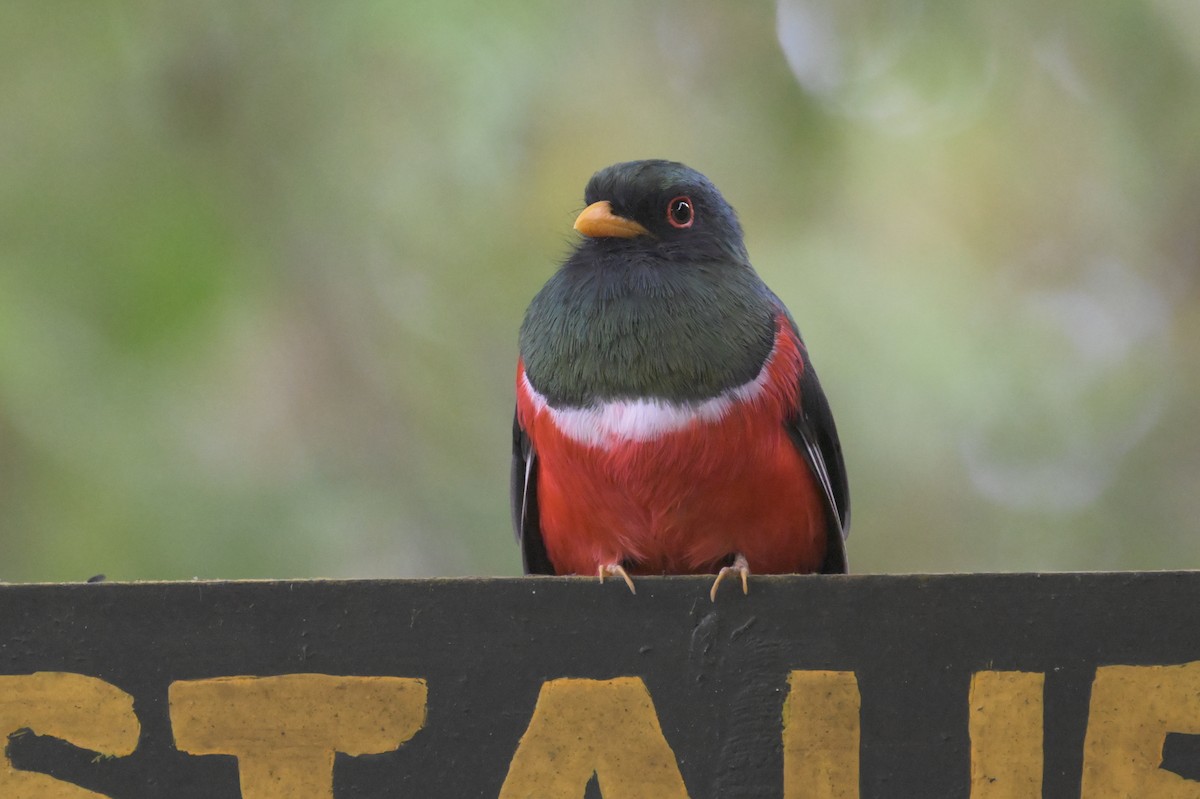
262,266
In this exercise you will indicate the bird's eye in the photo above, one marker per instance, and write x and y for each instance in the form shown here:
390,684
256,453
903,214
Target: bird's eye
680,212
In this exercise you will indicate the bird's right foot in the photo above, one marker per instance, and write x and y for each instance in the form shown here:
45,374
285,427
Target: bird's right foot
740,568
616,570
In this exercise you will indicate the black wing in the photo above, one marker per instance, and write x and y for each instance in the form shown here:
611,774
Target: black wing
815,435
523,493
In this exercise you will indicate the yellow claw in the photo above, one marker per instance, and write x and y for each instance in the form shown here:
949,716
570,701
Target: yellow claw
616,569
740,567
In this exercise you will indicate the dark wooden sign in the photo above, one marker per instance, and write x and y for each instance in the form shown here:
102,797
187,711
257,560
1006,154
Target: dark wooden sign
983,686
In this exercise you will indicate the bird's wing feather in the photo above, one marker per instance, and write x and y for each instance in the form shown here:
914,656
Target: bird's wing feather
814,433
523,494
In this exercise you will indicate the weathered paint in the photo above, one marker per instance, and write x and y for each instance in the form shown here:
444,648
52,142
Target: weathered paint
821,734
606,728
286,729
86,711
953,685
1006,734
1132,710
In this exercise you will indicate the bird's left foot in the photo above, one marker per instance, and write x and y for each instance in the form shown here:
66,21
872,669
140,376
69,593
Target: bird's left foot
616,570
739,567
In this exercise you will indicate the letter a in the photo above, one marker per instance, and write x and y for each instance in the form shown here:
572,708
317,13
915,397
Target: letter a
602,727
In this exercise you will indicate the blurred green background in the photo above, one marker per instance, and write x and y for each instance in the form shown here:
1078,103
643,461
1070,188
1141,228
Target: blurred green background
262,266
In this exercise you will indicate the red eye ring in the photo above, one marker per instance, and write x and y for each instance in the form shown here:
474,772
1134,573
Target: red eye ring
680,212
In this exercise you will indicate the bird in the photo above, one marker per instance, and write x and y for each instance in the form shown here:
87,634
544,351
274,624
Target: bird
668,417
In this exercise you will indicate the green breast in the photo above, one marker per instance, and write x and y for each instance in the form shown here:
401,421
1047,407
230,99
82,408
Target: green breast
624,328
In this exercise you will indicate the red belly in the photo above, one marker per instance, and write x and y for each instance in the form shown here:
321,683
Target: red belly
681,503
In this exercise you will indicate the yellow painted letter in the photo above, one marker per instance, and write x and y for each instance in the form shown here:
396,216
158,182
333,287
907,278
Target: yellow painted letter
821,735
1133,708
285,730
602,727
1006,734
86,711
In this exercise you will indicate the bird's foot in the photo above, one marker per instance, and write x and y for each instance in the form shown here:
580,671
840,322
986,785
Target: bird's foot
616,570
739,567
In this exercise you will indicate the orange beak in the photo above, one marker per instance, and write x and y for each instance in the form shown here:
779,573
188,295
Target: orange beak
598,221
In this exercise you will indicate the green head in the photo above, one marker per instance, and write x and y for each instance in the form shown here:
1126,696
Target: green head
658,300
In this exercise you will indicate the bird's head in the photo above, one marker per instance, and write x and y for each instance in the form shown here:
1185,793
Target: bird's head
662,206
